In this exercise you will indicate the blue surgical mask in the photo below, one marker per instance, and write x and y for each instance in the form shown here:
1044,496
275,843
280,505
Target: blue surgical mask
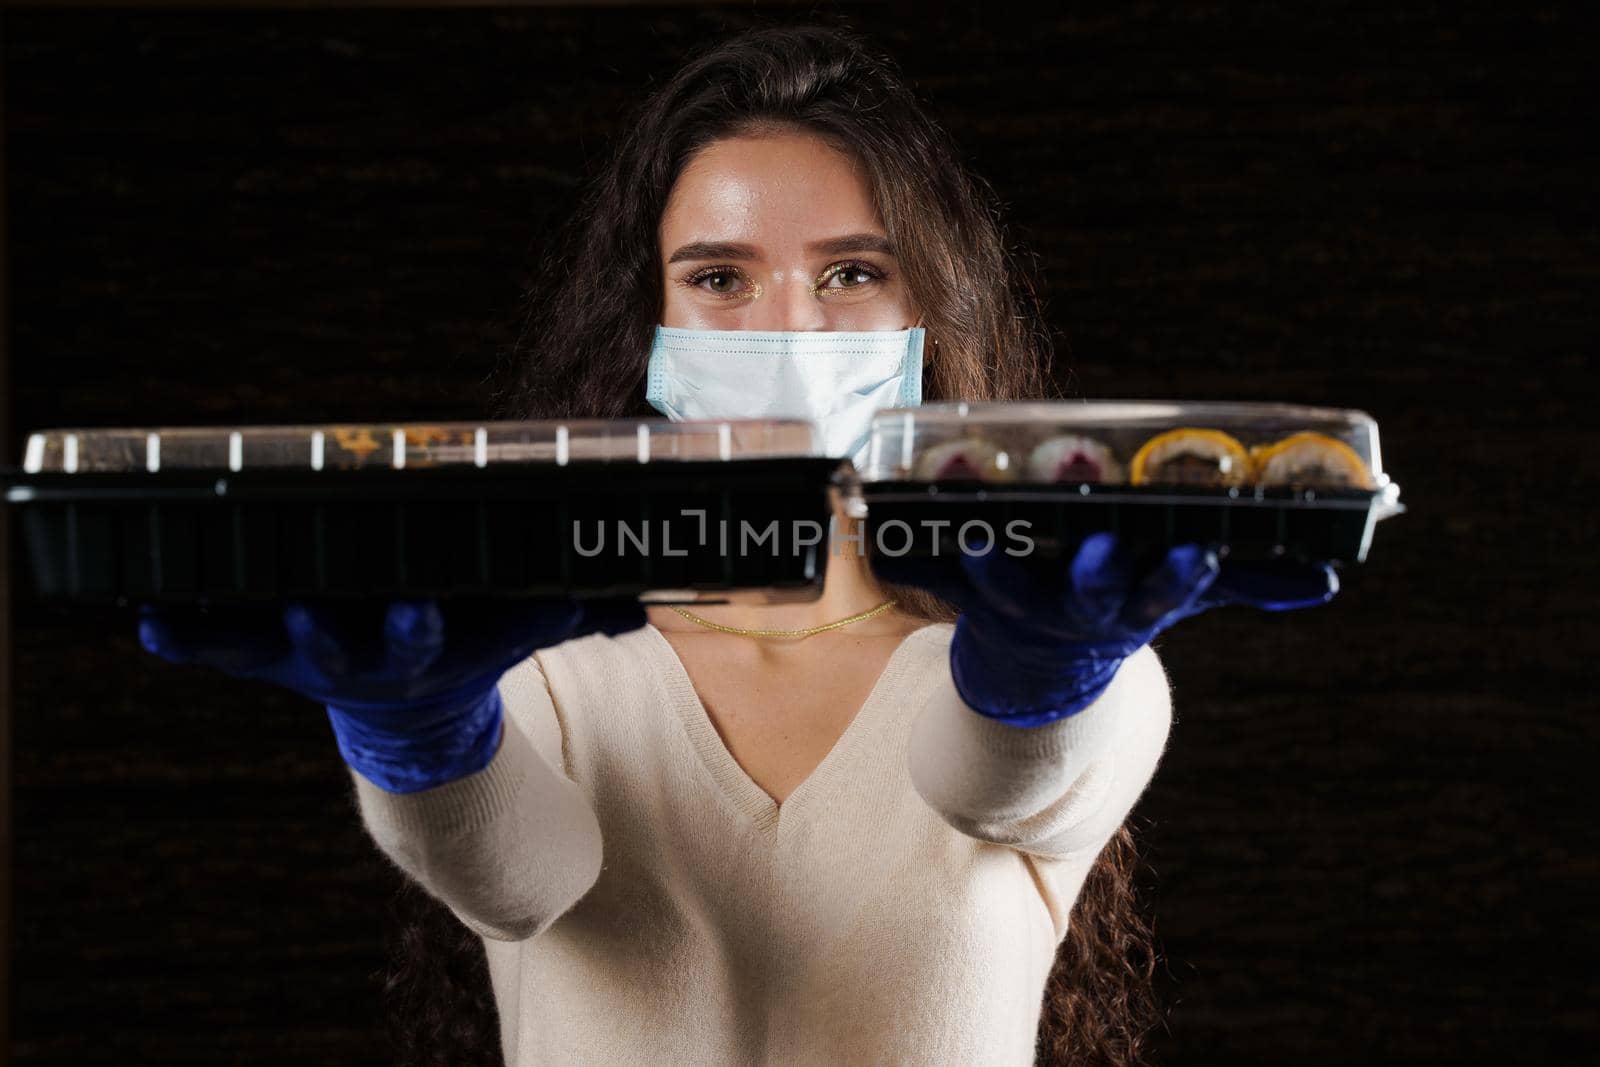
837,380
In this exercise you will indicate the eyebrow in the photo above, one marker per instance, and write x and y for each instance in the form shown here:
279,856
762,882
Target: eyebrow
712,250
855,242
833,246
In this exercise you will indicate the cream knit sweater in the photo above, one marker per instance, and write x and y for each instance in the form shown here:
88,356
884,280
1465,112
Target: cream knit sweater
644,902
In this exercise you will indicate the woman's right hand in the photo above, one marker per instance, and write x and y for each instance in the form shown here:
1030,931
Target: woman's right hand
411,686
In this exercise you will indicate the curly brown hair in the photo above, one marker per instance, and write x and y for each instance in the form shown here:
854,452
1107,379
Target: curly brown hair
587,359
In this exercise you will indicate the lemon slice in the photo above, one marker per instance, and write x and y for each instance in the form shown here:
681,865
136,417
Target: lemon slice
1189,456
1313,460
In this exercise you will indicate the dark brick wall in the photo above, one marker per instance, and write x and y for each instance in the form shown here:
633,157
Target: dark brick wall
1367,837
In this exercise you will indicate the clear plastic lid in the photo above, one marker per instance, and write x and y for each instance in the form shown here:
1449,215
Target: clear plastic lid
406,445
1131,443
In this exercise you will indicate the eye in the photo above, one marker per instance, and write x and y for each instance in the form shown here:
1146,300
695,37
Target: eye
849,276
719,281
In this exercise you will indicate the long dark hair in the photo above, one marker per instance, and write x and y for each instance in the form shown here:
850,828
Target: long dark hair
585,357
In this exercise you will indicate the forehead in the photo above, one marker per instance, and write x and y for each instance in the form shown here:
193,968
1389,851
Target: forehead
768,189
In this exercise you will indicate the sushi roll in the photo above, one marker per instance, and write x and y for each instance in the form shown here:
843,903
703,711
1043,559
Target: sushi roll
1189,456
1069,458
1311,460
970,459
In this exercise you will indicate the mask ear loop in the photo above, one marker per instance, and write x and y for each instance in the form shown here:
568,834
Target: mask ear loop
927,354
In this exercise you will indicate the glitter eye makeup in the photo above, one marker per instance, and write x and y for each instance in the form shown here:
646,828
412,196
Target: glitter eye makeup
872,274
865,273
697,278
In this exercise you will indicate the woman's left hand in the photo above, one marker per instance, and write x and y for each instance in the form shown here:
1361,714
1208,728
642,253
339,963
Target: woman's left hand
1034,644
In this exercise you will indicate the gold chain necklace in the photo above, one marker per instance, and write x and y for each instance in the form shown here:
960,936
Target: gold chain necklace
717,626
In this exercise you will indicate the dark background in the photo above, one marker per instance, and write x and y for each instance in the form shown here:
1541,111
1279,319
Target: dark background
1367,840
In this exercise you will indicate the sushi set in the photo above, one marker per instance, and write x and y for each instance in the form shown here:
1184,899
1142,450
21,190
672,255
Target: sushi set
595,508
671,510
1255,480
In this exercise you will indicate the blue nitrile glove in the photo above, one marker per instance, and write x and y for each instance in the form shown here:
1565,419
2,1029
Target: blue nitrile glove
411,687
1033,645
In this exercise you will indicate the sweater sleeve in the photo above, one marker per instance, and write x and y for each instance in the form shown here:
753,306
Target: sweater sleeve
510,848
1053,791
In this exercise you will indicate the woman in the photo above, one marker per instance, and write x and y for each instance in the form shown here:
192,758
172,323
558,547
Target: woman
844,831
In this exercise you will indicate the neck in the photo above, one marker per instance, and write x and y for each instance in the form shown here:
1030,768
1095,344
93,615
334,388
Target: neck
848,588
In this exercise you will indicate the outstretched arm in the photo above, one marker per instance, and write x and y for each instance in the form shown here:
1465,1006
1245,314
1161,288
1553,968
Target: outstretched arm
1055,711
1051,790
445,719
510,848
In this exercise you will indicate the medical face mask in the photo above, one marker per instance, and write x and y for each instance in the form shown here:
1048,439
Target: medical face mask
838,380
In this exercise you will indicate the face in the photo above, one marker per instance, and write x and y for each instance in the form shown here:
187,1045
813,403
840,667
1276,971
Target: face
777,232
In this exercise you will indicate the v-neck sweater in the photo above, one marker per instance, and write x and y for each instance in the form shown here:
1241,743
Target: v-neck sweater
643,901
